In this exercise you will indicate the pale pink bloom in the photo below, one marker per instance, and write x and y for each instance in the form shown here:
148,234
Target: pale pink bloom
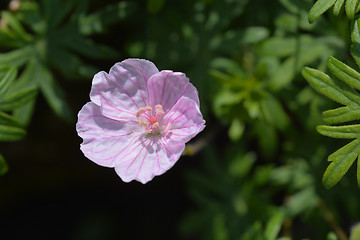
139,119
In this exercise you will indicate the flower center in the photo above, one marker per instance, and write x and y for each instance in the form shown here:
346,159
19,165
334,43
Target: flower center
150,120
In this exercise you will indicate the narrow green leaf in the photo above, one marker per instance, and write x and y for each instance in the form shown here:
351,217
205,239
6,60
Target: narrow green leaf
273,227
328,86
10,133
341,115
344,72
319,8
6,119
341,161
337,6
54,94
16,57
17,99
348,131
16,26
7,76
3,165
350,8
24,113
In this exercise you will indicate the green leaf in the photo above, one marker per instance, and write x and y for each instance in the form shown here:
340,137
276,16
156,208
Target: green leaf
341,115
17,99
54,94
337,6
341,161
16,57
24,113
319,8
349,131
16,26
273,227
344,72
3,166
330,87
7,76
11,133
6,119
350,8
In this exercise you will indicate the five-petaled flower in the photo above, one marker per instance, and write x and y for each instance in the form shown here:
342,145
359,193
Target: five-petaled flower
139,119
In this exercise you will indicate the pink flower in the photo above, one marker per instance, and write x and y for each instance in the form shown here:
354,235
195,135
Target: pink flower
139,119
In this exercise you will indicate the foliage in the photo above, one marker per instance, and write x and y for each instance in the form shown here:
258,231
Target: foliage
321,6
12,96
45,36
255,172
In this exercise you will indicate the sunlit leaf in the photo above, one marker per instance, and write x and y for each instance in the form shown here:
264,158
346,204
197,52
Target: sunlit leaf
350,8
341,161
337,6
319,8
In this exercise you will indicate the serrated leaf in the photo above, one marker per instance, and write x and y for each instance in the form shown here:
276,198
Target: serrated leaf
350,8
11,133
348,131
341,161
344,72
319,8
337,6
3,165
341,115
7,76
17,99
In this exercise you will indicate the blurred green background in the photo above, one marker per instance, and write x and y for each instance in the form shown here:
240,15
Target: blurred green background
254,172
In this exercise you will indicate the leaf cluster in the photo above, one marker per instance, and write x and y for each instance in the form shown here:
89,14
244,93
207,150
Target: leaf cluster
13,95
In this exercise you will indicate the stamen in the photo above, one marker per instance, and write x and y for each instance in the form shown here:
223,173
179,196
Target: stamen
159,110
155,125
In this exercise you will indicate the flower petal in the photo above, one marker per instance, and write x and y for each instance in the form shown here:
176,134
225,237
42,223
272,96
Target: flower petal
147,159
103,138
186,120
167,87
126,82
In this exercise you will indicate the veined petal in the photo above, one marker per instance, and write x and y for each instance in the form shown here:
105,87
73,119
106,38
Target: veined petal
127,79
167,87
103,138
186,120
147,159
